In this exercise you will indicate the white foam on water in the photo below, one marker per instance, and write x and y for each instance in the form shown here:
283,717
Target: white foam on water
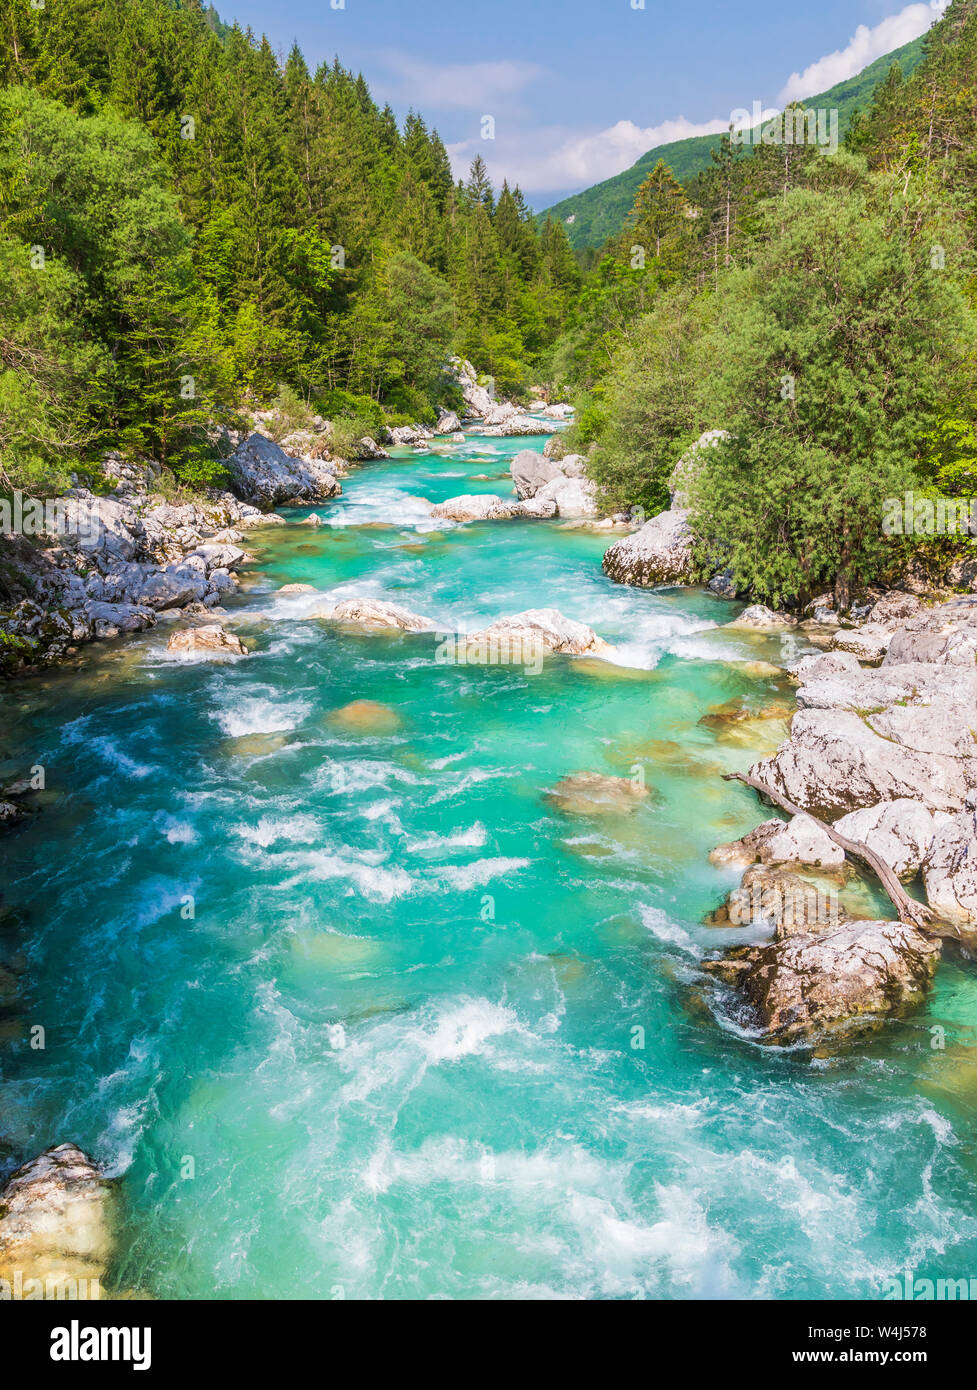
464,876
470,779
365,875
76,732
347,775
270,830
661,926
473,838
389,506
176,831
160,898
387,1061
260,714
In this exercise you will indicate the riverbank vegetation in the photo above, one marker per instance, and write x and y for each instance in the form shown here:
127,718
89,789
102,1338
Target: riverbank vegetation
192,225
820,309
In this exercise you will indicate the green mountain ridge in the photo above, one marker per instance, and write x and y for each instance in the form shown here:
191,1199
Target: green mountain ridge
599,212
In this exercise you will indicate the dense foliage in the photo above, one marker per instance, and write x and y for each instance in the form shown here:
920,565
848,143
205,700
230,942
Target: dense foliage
188,222
820,309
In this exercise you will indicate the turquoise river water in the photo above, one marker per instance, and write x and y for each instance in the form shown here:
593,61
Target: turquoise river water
420,1033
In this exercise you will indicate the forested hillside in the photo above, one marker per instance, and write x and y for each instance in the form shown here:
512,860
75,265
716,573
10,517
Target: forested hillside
818,309
595,214
192,226
186,222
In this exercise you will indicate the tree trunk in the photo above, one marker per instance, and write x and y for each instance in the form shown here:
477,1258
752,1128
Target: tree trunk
842,591
908,908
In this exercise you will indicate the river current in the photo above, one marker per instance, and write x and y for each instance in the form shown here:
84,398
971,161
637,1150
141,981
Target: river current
352,1009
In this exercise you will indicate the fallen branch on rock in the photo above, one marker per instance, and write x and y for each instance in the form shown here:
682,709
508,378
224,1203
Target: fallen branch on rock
908,908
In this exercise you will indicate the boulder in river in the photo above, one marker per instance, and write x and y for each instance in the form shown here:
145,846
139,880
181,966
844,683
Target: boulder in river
532,471
574,498
265,475
478,506
55,1226
371,612
208,640
659,554
803,987
448,423
519,425
546,628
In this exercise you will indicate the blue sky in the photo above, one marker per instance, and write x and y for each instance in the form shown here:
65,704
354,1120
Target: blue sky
578,89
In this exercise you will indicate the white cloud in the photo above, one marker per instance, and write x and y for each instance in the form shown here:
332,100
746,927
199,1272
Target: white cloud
556,159
863,48
482,87
551,160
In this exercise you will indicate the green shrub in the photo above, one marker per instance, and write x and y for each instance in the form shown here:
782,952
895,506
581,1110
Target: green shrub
291,413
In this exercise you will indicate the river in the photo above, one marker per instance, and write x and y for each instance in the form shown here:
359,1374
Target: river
352,1010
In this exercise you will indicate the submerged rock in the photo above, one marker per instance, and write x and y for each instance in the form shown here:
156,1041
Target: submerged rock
210,639
367,717
772,897
659,554
55,1223
805,986
593,794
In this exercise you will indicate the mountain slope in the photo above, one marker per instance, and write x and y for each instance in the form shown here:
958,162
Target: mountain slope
599,212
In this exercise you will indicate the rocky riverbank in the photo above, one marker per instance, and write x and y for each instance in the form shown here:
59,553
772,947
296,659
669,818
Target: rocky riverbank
125,557
882,748
887,756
